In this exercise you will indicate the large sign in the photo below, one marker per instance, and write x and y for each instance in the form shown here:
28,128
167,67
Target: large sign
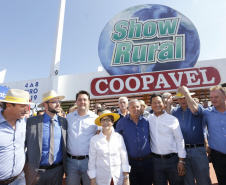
156,81
3,91
148,38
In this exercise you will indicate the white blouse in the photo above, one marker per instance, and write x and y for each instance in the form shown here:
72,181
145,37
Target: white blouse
108,160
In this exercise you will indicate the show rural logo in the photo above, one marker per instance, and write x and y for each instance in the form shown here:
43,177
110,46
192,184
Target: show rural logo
142,40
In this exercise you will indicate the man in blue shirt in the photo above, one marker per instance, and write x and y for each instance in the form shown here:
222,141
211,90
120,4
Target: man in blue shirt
46,144
135,131
12,132
215,119
189,114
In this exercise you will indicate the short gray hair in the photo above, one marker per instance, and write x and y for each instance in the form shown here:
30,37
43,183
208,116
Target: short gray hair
166,95
133,101
123,97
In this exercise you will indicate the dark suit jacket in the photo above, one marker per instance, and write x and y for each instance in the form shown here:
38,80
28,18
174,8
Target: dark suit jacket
33,143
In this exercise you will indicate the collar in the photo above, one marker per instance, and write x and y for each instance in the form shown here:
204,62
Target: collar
213,109
89,113
140,117
112,133
164,113
119,111
47,118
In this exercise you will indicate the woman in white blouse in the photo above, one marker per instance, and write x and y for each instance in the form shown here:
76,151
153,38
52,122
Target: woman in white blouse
108,159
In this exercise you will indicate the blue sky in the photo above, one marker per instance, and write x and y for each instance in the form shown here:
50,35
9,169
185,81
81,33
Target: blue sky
28,31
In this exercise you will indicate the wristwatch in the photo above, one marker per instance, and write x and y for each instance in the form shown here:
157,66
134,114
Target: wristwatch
126,176
181,162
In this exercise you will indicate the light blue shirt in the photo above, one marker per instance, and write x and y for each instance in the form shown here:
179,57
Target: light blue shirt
12,155
46,141
216,124
80,130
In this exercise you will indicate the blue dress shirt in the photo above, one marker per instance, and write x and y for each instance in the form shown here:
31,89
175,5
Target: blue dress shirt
190,124
46,141
216,124
12,155
136,136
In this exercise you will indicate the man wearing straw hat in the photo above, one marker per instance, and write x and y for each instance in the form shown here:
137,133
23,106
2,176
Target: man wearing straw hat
46,143
190,115
12,132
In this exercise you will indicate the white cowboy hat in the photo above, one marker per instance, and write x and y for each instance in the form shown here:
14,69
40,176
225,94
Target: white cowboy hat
17,96
49,96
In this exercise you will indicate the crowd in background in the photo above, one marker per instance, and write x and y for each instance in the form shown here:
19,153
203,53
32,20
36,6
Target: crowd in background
132,144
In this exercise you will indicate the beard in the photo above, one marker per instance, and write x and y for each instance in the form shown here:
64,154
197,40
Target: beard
54,111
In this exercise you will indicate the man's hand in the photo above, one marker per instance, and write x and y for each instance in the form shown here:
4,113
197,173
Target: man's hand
208,150
93,181
126,181
182,89
181,169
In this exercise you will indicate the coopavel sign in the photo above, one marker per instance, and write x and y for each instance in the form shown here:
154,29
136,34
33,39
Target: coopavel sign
158,81
144,39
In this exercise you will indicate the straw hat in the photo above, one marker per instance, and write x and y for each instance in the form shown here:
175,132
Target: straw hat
106,113
143,103
49,96
17,96
180,95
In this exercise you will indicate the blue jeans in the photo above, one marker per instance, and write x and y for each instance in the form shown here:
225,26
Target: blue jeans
197,167
20,180
141,172
77,169
166,170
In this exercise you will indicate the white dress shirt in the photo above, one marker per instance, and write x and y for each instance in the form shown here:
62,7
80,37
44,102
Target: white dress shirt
108,160
80,130
166,135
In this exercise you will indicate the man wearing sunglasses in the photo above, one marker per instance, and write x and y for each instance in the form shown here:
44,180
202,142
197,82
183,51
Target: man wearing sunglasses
46,143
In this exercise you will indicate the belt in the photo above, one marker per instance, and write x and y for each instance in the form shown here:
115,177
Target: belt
11,179
194,145
51,166
140,159
215,151
77,157
167,156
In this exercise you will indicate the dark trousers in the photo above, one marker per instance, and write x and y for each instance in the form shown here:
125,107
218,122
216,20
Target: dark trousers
166,170
219,164
49,177
141,172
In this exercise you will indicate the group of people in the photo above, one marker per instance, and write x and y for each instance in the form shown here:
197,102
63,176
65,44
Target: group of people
126,146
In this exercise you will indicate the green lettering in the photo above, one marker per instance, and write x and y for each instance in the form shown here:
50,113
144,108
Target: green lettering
168,27
122,53
120,31
178,49
149,29
152,49
139,53
134,29
167,51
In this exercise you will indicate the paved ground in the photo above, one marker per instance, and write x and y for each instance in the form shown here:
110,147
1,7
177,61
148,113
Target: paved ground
212,176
